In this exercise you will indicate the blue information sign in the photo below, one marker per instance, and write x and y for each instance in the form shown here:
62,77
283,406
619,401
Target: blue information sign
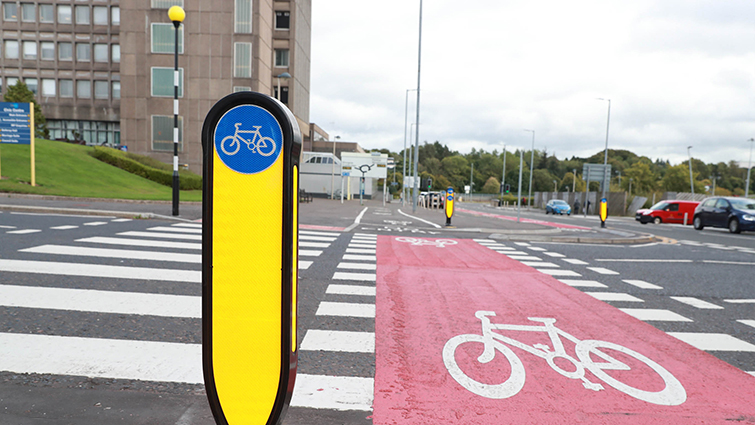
15,123
248,139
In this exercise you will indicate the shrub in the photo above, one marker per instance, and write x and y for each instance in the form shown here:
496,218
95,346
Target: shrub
162,175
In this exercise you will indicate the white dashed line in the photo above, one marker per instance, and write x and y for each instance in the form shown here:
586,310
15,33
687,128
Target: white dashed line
697,303
614,296
642,284
602,270
713,341
652,314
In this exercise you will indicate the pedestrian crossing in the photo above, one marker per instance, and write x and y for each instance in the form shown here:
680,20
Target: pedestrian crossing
95,221
591,281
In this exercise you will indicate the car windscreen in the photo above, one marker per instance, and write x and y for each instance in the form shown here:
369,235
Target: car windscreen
659,206
743,204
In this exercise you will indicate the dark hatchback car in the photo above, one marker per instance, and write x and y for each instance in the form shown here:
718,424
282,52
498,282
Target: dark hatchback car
736,214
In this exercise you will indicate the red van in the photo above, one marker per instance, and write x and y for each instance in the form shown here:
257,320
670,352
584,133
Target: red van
667,212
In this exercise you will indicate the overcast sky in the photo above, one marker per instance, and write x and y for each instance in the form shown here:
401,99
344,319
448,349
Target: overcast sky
678,73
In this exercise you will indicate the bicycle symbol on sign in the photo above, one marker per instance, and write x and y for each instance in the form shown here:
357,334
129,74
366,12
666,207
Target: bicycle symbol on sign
672,394
440,243
264,146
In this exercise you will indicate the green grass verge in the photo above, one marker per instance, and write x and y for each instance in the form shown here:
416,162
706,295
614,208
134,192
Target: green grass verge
65,169
147,167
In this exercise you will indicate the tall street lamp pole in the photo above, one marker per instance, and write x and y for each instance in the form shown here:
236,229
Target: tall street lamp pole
415,192
406,119
691,186
333,167
605,158
749,167
532,167
503,174
176,14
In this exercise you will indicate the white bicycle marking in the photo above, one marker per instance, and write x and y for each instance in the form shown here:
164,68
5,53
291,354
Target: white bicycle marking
672,394
440,243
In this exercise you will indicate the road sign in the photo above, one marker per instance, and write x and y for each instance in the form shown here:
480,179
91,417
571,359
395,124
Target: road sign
251,148
409,181
596,173
15,123
376,162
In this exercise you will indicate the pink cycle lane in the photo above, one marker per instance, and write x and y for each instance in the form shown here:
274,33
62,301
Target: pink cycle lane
432,302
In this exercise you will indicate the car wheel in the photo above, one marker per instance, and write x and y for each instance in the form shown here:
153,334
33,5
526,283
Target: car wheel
657,220
546,211
697,223
734,226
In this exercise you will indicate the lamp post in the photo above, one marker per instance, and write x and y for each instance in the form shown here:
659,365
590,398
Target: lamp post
406,119
332,168
415,192
503,174
176,14
749,167
285,76
605,159
691,186
630,185
555,186
532,167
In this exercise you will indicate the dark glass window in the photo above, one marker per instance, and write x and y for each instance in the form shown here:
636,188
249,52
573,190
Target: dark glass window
283,96
282,20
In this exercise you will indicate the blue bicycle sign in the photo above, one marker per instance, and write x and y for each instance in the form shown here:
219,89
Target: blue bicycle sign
252,127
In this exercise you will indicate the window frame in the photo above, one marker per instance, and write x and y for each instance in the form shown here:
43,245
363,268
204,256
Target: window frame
5,14
19,53
243,25
113,56
107,52
33,15
288,18
62,7
51,9
89,52
88,15
113,13
112,90
276,57
106,85
94,15
23,52
60,88
42,45
54,87
78,82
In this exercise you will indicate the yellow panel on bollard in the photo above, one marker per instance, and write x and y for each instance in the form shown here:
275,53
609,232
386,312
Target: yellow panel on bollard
251,148
603,212
449,205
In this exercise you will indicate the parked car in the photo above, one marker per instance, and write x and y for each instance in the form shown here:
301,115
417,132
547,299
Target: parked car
667,212
736,214
557,206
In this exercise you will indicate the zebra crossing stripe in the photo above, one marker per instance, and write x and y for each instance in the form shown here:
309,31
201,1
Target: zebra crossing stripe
23,231
309,253
313,245
353,257
367,277
697,303
357,266
141,242
537,264
192,225
105,358
96,270
175,229
346,309
114,253
368,291
333,392
304,265
310,232
64,227
360,251
339,341
316,238
101,301
161,235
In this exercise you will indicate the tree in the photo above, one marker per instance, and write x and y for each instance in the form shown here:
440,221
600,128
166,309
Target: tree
492,185
677,180
20,93
643,179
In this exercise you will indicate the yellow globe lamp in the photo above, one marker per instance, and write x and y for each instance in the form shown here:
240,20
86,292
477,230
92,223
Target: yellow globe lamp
176,14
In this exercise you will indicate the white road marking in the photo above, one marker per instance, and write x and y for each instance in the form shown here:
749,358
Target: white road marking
316,238
175,229
161,235
583,283
522,257
333,392
697,303
417,218
484,241
642,284
747,322
314,244
652,314
95,223
124,220
357,266
192,225
106,358
304,265
741,301
536,248
554,254
345,309
141,242
22,231
368,291
7,227
575,261
515,253
365,277
713,341
362,245
101,301
357,220
313,233
601,270
614,296
642,260
559,272
353,257
365,235
309,253
96,270
360,251
521,243
340,341
503,248
64,227
114,253
537,264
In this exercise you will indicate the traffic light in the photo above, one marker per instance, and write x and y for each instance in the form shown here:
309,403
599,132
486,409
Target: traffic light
429,183
508,188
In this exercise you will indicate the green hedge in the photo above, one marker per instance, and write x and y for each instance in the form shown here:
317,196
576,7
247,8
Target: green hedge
187,180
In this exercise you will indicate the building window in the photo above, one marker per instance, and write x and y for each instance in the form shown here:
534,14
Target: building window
30,50
164,39
283,96
281,58
64,14
243,16
11,50
166,4
116,53
116,89
162,133
66,88
237,89
46,13
32,84
83,52
83,89
162,82
82,15
12,81
242,60
48,50
10,11
48,87
115,15
101,89
100,15
282,20
100,52
28,12
65,51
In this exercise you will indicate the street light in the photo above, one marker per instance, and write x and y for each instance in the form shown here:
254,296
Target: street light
415,192
691,186
605,159
406,119
285,76
333,167
555,186
532,167
176,14
749,166
503,174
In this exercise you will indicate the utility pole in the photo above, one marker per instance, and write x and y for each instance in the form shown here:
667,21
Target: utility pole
532,167
503,175
749,167
415,192
691,186
519,191
471,182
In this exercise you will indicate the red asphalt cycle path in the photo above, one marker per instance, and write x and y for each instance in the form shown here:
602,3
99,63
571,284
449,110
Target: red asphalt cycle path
427,295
